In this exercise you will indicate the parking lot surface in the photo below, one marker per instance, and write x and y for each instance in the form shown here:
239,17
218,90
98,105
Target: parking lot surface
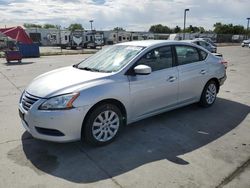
188,147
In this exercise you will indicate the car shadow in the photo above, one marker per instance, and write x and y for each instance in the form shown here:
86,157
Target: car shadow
18,63
165,136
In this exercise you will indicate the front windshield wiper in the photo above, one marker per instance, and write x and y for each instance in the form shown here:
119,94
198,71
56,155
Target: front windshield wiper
76,65
89,69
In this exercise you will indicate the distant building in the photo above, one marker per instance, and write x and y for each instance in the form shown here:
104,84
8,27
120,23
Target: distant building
64,37
83,38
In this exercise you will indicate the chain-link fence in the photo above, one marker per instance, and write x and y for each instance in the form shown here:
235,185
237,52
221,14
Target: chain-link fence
227,38
217,38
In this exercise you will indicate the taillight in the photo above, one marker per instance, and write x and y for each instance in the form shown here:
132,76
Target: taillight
223,62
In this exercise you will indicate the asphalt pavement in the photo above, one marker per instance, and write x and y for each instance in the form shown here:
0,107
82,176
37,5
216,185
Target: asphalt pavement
189,147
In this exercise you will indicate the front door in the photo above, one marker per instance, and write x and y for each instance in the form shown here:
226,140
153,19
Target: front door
154,92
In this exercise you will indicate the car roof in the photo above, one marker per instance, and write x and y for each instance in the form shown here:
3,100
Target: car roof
199,39
189,41
203,38
149,43
195,40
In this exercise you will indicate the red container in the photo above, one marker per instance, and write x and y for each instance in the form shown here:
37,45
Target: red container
13,56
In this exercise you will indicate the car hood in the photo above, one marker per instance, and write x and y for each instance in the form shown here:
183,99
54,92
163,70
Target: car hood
63,80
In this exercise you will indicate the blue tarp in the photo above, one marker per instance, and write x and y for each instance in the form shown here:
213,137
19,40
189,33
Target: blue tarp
29,50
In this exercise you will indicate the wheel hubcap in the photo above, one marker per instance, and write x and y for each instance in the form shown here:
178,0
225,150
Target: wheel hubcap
211,93
105,126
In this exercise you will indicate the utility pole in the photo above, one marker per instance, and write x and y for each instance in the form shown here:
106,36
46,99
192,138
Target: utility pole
185,14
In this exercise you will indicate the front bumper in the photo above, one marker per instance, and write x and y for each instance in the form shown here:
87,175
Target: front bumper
56,125
222,80
243,44
214,50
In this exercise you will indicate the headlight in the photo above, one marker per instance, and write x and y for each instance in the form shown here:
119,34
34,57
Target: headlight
59,102
20,100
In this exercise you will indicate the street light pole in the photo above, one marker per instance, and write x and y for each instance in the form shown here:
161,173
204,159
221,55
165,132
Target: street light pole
91,27
117,35
247,32
91,22
248,23
185,14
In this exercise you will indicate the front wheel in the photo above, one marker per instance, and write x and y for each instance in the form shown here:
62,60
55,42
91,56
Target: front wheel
209,94
102,125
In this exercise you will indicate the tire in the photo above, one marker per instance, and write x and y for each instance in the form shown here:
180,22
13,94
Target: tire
209,94
102,125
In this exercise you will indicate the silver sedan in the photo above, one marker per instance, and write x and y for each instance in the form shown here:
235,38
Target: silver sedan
119,85
211,48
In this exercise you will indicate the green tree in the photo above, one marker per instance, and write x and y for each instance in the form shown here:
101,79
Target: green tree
118,29
47,26
159,28
239,29
192,29
177,29
220,28
75,26
31,25
202,30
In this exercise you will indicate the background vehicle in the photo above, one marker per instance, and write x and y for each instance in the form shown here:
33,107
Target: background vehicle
99,40
91,44
208,40
245,43
81,39
206,45
119,85
73,40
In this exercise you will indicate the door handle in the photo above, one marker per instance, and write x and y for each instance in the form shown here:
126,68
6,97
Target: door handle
171,79
203,72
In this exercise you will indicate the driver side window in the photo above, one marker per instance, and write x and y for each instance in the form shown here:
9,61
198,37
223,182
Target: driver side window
158,59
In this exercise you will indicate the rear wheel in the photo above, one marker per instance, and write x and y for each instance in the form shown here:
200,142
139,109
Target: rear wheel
209,94
102,125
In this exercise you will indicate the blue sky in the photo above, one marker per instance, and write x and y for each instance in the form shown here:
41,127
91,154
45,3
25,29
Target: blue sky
131,14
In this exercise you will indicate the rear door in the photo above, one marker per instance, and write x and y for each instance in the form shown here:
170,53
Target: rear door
193,72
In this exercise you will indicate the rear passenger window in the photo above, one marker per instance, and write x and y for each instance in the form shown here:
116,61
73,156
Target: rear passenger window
187,54
157,59
203,55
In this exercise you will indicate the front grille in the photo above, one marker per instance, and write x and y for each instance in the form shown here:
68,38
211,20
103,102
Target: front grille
28,100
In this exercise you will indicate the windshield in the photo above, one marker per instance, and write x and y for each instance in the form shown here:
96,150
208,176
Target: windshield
110,59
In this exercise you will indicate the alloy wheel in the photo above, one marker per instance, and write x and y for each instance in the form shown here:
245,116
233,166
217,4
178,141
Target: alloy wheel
211,93
105,126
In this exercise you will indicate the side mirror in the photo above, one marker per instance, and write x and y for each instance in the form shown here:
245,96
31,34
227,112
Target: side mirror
142,70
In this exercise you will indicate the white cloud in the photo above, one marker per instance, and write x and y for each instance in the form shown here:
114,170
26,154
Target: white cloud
130,14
